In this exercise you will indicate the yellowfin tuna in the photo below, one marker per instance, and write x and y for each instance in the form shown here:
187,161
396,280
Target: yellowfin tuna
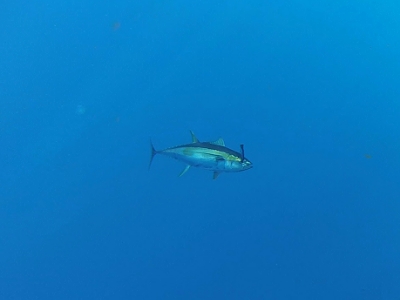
213,156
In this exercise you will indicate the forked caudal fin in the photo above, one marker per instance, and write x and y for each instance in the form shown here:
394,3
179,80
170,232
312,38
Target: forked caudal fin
153,153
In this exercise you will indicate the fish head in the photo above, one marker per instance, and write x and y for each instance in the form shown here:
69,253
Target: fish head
240,165
246,164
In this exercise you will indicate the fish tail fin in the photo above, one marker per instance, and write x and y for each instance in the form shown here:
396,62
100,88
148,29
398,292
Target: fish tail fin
153,153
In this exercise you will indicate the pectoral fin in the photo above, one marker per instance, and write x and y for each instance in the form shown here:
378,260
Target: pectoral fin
215,175
184,170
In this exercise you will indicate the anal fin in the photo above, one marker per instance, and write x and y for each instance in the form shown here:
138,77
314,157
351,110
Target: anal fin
184,170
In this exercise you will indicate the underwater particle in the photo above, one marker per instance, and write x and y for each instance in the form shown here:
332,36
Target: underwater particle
116,25
80,109
368,156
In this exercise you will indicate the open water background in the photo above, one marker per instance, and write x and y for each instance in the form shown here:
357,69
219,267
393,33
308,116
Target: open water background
311,88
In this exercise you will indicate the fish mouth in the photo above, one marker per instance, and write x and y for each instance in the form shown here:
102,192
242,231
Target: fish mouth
247,167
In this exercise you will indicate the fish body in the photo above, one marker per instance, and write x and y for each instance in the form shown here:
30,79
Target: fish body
212,156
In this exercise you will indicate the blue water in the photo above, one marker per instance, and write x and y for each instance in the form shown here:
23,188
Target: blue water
312,90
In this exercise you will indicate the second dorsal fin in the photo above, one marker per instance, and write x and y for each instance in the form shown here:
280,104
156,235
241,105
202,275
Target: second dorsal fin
194,138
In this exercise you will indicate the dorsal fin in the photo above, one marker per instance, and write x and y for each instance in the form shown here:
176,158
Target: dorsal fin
219,142
194,138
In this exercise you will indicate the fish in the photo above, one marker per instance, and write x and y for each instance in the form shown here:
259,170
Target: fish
212,156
